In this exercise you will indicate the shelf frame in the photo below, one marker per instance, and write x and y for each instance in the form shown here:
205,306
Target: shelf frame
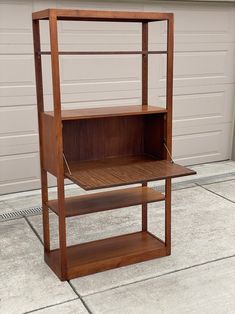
104,52
103,16
62,267
88,258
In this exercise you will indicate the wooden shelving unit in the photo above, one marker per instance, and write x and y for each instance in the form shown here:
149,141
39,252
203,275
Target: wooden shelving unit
105,147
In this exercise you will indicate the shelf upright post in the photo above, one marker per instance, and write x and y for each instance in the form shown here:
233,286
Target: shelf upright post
59,141
168,129
144,103
40,109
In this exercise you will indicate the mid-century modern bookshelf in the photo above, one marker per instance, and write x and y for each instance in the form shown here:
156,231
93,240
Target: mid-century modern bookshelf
102,148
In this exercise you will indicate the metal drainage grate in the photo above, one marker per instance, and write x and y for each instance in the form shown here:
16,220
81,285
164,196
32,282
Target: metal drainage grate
21,213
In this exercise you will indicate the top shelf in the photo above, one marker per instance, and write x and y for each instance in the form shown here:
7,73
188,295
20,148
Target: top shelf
90,113
108,16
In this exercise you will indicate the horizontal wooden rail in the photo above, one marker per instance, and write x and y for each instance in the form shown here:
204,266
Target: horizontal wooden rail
103,52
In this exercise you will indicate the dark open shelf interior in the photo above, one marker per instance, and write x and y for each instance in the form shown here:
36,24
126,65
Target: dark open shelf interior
117,150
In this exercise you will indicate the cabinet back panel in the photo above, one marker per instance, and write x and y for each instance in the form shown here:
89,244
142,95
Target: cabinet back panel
92,139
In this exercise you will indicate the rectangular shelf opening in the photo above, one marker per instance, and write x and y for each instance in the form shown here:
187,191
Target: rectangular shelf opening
119,150
100,255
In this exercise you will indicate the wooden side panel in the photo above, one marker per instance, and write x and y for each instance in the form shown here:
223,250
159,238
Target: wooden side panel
93,139
49,143
153,135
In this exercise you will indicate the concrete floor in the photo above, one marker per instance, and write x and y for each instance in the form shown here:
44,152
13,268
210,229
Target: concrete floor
199,276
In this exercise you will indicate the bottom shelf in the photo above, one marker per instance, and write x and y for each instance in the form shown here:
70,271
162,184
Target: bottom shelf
100,255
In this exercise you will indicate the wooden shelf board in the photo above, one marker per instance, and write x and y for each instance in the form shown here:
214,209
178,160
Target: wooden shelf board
105,112
100,255
112,172
86,204
111,16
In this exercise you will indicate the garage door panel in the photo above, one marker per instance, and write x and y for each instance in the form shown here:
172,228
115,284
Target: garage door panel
202,144
100,36
202,105
92,5
19,11
102,99
16,70
19,173
19,120
18,144
22,43
18,100
17,33
197,23
27,167
100,69
204,65
75,99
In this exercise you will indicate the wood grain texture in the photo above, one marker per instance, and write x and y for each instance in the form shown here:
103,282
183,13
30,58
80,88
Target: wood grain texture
92,257
105,112
168,127
55,71
94,139
111,52
112,172
92,15
42,127
48,145
144,94
92,203
106,147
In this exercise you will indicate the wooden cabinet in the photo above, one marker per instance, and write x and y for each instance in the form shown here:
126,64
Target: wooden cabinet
102,148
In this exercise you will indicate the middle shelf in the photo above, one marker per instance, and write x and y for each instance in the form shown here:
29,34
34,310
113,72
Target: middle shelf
91,203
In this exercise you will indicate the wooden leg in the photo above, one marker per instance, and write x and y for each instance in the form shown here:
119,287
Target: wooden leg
144,214
168,216
62,228
40,106
59,141
45,212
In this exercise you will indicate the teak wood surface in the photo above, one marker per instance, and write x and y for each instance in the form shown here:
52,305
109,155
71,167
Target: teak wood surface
100,255
109,16
104,147
96,202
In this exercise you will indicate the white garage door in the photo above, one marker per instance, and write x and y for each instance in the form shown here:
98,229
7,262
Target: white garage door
203,83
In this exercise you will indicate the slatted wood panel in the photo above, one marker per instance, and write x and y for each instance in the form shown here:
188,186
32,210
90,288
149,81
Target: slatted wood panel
123,171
